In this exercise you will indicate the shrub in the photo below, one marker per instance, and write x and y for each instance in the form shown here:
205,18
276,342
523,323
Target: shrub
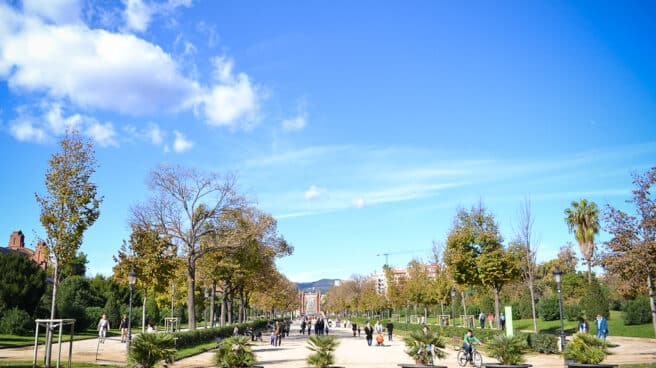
93,314
549,309
416,343
595,301
585,348
323,350
16,322
637,311
508,350
543,343
234,352
149,349
23,282
191,338
572,312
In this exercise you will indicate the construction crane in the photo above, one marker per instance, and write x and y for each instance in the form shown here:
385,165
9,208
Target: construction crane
387,254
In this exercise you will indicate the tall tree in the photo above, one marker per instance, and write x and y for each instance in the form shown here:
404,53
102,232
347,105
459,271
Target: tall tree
185,202
69,206
631,252
474,253
528,253
153,258
583,220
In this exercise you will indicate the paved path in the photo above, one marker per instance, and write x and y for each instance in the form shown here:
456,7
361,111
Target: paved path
352,352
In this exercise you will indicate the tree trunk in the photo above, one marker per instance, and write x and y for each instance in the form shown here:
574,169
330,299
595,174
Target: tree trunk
496,305
49,330
589,272
229,308
242,310
143,315
191,286
224,299
531,289
213,303
425,314
652,304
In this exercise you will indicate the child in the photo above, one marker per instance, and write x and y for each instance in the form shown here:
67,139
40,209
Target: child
273,338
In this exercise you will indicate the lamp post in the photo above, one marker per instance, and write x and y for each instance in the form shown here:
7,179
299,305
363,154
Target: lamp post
558,277
453,302
132,279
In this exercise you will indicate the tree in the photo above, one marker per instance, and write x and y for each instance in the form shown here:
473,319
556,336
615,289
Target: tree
152,256
583,220
185,202
69,207
23,283
631,251
528,253
474,253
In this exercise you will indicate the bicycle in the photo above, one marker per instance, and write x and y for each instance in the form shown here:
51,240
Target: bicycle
476,357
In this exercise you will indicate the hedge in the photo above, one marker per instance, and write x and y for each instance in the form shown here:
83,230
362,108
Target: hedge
192,338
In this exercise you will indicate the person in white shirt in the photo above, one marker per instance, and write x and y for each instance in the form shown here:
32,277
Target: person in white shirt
103,326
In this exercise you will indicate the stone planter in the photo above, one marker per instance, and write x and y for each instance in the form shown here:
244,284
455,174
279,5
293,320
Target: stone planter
499,365
410,365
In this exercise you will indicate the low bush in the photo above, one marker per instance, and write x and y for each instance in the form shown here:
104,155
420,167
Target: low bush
572,312
197,337
585,348
543,343
508,350
323,351
235,352
549,309
637,311
148,349
16,322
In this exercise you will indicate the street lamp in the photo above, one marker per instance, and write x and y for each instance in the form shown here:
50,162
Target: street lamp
132,279
558,277
453,307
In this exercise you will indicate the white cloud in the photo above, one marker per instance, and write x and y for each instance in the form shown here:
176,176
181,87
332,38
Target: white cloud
360,203
55,11
181,144
155,134
103,134
58,124
313,192
138,14
91,68
233,100
95,68
25,131
297,123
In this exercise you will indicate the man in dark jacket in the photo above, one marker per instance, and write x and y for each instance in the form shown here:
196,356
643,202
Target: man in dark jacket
390,327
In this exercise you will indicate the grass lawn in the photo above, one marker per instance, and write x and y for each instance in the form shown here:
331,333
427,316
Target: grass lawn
615,326
17,341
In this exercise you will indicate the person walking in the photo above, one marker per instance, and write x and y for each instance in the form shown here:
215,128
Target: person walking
490,318
584,327
354,327
378,327
369,333
103,327
602,327
502,320
124,328
481,319
390,328
278,331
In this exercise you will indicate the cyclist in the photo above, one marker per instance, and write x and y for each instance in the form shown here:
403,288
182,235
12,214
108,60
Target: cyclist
468,340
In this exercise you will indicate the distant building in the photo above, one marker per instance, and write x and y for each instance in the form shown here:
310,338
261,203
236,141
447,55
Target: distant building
398,274
17,244
310,303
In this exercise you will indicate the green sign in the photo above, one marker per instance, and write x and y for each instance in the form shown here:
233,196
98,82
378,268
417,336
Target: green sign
509,321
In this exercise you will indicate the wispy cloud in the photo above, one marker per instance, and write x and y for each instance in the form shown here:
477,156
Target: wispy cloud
181,144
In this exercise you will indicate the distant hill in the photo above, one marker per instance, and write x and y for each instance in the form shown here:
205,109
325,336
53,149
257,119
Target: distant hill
323,285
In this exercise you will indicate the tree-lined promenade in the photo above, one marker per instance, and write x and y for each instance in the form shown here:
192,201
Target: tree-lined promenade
203,252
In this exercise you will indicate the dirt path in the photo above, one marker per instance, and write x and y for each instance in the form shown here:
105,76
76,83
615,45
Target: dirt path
352,352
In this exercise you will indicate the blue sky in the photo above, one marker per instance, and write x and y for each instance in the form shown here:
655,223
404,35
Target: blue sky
362,126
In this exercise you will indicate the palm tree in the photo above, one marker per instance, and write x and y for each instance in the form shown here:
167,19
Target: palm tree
583,220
